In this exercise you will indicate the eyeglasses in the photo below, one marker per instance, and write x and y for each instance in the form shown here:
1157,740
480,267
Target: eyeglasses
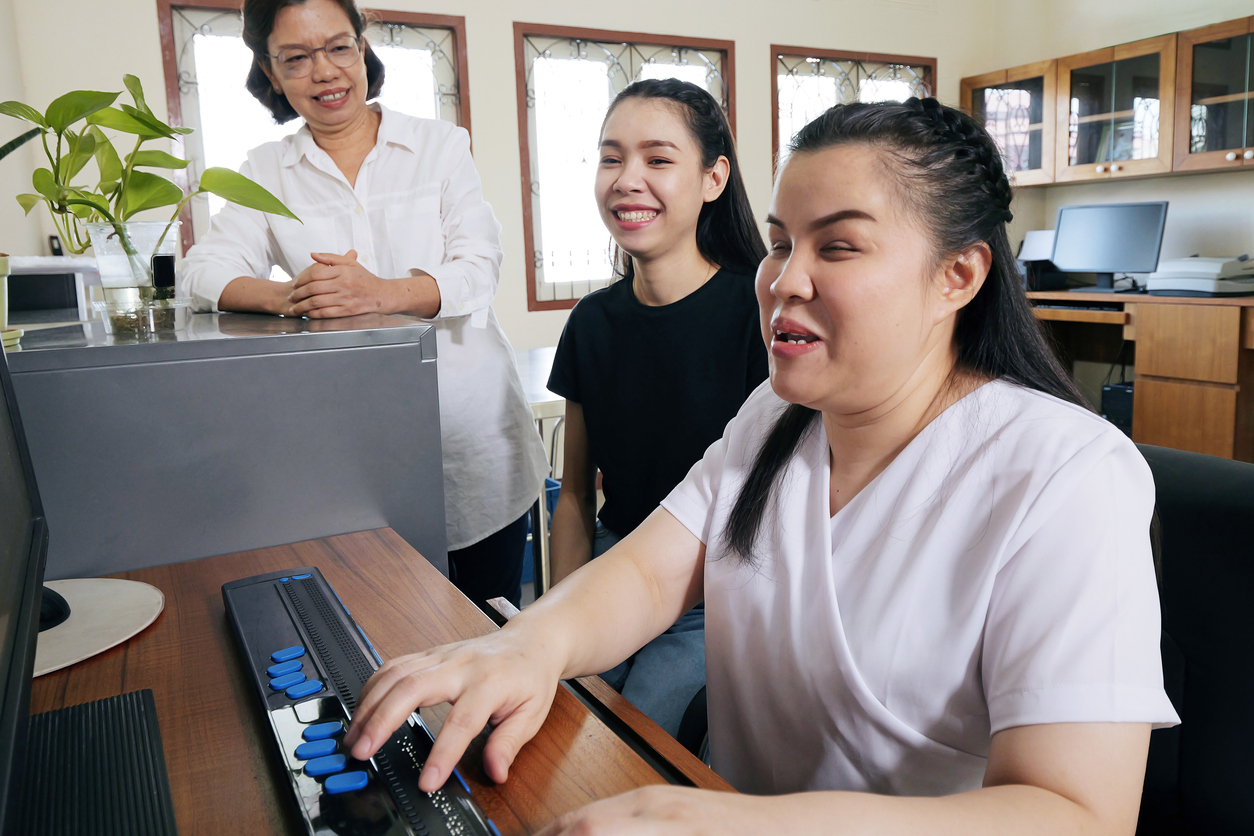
297,61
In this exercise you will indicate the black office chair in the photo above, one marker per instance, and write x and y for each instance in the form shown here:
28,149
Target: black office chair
1200,776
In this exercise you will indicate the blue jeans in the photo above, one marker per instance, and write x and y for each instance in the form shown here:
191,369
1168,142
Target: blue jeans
662,677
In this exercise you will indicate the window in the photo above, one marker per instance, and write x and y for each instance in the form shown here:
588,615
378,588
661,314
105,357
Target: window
807,82
206,63
566,80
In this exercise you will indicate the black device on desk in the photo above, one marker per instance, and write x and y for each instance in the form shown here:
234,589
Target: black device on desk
95,768
1108,239
308,661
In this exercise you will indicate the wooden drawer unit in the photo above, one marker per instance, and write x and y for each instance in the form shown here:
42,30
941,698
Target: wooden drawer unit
1185,415
1188,342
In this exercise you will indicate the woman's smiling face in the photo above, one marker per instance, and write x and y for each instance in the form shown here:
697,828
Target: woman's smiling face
650,183
852,299
329,96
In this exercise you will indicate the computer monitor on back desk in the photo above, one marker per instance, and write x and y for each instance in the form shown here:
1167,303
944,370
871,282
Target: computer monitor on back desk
1109,239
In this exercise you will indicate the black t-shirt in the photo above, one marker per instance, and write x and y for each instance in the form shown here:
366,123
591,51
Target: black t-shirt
657,384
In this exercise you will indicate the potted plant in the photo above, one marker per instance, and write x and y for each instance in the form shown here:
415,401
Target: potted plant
102,216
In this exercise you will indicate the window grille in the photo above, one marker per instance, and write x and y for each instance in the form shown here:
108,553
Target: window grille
211,61
569,82
808,82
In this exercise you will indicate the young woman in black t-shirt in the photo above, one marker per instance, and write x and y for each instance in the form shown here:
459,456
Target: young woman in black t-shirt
655,365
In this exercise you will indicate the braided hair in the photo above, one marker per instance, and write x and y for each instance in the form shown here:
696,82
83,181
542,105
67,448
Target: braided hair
727,234
949,174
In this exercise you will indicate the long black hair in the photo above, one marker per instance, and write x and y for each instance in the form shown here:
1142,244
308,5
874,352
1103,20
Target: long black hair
259,17
952,176
727,234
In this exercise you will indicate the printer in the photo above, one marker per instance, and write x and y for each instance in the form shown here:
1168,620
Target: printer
1198,276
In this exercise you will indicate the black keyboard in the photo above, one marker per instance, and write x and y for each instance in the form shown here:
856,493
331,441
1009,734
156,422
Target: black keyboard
309,661
1065,307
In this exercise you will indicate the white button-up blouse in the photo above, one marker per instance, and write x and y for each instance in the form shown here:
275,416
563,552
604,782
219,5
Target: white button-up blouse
417,205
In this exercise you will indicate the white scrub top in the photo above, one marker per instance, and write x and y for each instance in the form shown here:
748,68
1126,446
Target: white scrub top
997,573
417,205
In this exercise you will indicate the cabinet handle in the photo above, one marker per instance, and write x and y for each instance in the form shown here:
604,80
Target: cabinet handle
1230,156
1101,169
1114,166
1249,155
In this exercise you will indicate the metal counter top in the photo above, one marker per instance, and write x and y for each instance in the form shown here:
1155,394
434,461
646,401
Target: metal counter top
86,345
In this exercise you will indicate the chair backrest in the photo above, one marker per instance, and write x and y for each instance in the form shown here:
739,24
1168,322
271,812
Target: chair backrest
1200,776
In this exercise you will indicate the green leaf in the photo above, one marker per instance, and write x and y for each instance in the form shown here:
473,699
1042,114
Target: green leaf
148,191
239,189
20,111
153,123
96,201
29,201
14,144
71,107
82,147
45,184
106,158
137,92
116,120
155,159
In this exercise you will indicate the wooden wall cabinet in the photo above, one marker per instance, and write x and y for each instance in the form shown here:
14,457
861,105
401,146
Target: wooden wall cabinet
1016,107
1214,120
1115,109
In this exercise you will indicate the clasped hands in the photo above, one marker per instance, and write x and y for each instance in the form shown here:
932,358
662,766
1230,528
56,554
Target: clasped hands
337,285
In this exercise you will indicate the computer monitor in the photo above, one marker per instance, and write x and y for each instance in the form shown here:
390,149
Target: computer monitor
23,549
1109,239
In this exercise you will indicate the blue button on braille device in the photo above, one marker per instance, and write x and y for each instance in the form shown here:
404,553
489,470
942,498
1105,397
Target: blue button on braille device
281,683
345,782
284,580
325,766
462,781
321,731
301,577
315,749
290,666
293,652
304,689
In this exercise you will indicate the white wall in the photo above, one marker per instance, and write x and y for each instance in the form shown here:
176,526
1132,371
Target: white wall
17,234
95,43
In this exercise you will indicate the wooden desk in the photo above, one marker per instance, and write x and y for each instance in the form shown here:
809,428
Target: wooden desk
224,776
1194,360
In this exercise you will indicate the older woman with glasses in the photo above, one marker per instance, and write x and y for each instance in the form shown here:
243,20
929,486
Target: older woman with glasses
394,222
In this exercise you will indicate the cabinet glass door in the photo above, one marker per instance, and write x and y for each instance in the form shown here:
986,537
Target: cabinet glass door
1219,106
1115,111
1014,114
1092,106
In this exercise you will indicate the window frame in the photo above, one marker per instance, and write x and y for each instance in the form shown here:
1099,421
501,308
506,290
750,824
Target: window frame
779,51
174,104
524,30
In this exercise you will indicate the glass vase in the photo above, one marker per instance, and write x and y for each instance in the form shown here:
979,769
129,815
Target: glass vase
124,256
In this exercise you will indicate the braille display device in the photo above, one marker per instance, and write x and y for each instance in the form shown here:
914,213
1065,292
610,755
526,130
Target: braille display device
308,661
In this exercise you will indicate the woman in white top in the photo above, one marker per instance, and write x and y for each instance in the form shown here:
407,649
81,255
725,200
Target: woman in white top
930,596
394,221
